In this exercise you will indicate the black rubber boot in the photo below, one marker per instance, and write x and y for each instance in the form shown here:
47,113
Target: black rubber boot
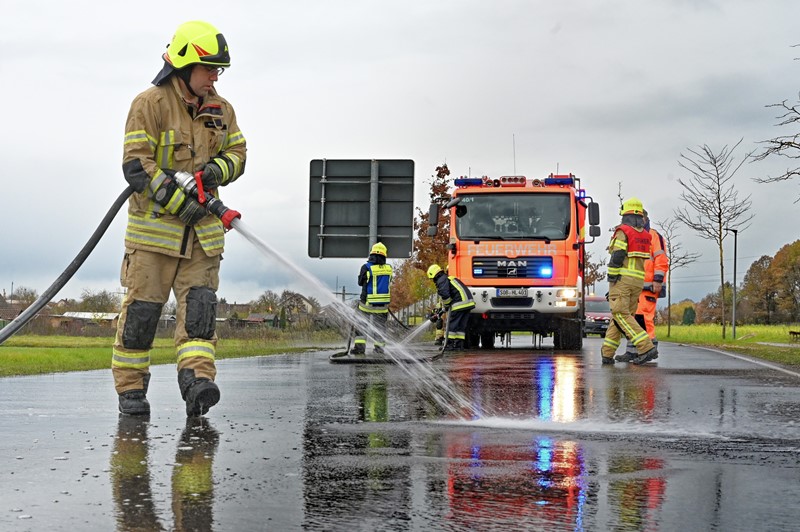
378,350
450,345
358,349
134,402
458,345
608,361
439,341
627,356
646,357
200,394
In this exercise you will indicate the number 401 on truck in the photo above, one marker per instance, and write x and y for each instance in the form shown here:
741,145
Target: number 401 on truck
518,245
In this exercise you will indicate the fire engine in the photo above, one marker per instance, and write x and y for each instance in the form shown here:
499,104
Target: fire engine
518,244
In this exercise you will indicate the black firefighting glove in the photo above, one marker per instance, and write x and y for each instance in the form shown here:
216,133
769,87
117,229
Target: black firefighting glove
175,201
212,177
191,211
613,278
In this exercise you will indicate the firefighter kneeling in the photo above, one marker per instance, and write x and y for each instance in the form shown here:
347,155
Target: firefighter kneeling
457,298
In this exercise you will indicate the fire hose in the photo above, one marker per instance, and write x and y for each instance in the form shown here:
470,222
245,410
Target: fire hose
192,185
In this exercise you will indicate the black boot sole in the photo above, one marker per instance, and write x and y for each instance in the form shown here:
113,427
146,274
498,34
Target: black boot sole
203,402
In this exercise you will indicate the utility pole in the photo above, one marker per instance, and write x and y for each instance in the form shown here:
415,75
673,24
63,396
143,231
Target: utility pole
733,311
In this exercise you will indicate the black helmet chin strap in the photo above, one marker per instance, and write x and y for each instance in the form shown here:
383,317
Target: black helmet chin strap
185,75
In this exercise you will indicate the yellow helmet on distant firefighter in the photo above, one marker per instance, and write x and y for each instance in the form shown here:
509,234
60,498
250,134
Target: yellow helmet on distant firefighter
433,270
378,249
632,205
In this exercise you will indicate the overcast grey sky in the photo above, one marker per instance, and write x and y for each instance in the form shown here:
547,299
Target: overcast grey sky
612,91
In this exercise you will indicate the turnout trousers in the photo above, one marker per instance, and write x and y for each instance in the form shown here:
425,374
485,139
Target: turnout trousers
457,328
623,297
375,319
647,308
149,278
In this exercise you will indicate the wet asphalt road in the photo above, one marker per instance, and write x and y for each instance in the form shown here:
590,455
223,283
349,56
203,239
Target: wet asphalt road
700,441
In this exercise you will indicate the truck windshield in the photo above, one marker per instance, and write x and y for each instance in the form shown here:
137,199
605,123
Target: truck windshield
513,216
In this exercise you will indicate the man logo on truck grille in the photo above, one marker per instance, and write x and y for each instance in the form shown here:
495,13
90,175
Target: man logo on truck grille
512,263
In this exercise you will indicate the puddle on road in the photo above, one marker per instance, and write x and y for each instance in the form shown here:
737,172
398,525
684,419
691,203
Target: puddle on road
589,427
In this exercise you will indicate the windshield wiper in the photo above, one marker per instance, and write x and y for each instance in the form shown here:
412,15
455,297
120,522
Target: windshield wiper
546,239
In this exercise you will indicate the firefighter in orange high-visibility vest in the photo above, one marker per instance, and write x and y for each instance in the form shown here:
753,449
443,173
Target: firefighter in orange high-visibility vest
628,249
655,276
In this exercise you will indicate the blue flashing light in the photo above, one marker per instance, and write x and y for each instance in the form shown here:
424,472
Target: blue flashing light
477,271
581,193
469,182
559,180
545,272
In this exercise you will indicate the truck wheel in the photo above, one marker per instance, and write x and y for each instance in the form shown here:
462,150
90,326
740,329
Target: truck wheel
487,340
568,336
473,339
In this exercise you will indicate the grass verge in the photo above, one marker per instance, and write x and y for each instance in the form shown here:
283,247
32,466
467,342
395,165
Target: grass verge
766,342
36,355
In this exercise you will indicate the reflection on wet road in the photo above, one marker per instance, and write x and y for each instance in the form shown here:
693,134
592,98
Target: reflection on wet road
699,441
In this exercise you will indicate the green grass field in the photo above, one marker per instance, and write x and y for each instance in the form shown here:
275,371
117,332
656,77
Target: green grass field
767,342
34,355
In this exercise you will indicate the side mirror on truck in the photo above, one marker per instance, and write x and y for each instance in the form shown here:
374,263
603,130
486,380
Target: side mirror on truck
594,214
433,220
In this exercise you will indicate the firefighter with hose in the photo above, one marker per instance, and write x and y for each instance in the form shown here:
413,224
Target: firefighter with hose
182,143
375,279
457,301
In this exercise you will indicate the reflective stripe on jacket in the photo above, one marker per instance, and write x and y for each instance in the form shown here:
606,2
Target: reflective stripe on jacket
379,279
636,245
453,292
160,133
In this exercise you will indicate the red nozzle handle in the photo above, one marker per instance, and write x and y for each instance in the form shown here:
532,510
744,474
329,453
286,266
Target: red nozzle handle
229,216
201,196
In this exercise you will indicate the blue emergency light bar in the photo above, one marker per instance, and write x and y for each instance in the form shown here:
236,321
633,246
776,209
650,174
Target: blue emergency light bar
468,182
560,180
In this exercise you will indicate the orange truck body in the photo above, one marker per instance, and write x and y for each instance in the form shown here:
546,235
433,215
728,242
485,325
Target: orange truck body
518,244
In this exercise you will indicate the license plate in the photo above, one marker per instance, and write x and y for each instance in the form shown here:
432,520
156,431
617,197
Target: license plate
512,292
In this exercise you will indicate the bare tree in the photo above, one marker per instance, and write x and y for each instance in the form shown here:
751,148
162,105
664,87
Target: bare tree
102,301
787,146
713,199
594,271
677,258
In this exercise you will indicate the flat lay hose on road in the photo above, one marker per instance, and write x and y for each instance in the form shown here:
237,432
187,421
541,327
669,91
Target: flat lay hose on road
7,331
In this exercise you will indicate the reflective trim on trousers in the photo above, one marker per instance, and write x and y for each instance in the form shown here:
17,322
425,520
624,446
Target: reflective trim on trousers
196,349
126,360
607,342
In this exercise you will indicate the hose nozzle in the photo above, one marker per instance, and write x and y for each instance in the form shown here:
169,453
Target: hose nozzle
218,209
192,185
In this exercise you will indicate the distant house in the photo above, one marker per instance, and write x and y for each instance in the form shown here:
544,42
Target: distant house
255,319
76,321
